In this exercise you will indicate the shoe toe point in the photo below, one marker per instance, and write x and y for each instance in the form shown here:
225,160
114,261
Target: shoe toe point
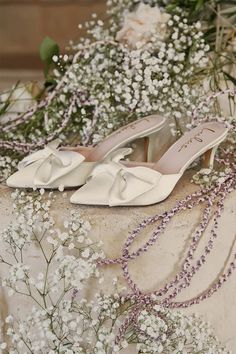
12,182
16,181
78,198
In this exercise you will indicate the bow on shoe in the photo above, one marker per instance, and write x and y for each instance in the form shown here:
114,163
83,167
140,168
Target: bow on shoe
126,183
52,163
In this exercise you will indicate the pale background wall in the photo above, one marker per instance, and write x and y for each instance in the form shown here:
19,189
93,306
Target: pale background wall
24,24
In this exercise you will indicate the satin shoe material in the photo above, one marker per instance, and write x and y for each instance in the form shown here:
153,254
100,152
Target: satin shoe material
112,183
51,168
69,167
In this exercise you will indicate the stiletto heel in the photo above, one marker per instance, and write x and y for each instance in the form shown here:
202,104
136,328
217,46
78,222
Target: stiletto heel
153,141
149,145
208,158
145,148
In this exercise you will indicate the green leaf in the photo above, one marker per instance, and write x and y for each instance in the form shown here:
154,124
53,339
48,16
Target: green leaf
48,49
199,5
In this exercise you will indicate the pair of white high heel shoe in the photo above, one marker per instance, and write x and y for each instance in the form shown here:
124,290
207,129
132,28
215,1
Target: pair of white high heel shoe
105,178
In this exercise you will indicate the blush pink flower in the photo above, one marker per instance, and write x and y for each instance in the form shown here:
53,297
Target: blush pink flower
139,25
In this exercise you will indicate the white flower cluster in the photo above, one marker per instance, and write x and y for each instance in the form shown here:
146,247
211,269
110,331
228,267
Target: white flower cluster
206,176
71,328
61,272
30,216
7,166
44,329
121,83
17,277
72,234
73,271
108,305
125,84
171,332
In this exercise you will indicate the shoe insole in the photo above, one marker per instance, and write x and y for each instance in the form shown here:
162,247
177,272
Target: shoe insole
125,134
191,145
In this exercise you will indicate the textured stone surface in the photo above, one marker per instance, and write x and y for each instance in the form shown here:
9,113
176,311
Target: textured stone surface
151,270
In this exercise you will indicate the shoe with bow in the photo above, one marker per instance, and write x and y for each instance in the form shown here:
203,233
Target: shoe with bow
54,167
116,183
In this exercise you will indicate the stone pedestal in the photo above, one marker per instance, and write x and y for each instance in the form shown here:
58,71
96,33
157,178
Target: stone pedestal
160,263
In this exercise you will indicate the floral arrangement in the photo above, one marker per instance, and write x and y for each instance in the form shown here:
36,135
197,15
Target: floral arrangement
61,319
148,57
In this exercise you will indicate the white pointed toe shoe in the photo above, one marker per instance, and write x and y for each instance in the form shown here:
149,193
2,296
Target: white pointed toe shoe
51,168
61,168
114,183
